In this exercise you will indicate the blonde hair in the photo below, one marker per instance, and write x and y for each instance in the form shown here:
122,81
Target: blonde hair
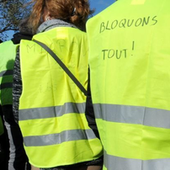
72,11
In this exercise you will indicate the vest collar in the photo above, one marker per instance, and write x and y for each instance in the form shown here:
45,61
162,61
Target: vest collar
50,24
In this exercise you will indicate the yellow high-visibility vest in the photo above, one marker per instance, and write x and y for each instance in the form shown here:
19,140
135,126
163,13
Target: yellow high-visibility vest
130,74
6,71
7,58
51,111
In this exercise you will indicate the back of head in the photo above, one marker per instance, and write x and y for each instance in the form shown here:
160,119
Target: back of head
1,41
25,27
73,11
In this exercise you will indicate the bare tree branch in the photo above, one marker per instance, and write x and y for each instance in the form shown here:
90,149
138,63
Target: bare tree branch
11,13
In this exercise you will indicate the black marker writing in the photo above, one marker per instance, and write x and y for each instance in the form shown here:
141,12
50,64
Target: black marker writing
133,47
110,53
121,53
126,23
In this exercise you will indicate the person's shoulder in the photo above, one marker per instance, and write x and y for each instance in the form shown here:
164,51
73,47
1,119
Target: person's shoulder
6,43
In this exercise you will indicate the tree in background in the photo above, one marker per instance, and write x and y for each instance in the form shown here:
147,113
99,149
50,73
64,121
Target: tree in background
11,13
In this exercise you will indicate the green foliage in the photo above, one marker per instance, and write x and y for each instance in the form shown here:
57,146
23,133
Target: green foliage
11,13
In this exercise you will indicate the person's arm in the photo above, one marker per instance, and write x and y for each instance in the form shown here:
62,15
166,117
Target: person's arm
90,111
17,86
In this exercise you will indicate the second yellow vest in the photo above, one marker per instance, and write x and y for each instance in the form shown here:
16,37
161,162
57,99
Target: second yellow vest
52,107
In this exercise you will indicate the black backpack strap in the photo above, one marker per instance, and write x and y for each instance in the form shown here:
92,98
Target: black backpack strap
63,66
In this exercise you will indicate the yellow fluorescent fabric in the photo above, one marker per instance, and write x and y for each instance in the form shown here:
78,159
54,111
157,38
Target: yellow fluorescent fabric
55,125
46,85
104,168
6,71
135,68
138,2
6,67
69,148
129,57
135,141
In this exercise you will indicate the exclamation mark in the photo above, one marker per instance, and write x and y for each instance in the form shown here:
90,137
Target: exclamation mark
133,47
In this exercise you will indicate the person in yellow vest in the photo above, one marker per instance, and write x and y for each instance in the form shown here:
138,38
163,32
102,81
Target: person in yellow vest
51,106
129,62
4,144
17,157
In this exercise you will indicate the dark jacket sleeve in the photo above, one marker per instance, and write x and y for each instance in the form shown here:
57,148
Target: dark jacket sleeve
17,86
90,111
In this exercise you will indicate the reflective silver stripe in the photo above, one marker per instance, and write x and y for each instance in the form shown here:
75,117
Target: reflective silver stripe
133,115
5,86
117,163
6,73
52,139
49,112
